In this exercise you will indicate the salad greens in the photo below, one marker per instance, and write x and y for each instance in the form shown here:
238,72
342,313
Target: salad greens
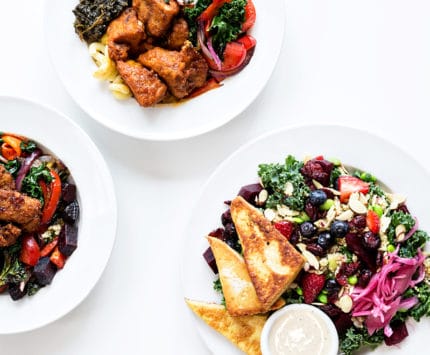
274,178
30,184
355,338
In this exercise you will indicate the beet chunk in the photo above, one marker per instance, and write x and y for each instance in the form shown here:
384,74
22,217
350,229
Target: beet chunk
44,271
68,192
71,212
210,259
250,192
15,291
400,332
354,243
68,240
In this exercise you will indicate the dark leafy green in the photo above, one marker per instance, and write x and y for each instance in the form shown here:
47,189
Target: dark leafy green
218,288
397,218
410,247
30,184
13,270
12,166
28,147
355,338
191,14
422,291
227,25
275,177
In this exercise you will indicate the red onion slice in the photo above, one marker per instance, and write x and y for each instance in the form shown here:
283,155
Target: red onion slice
25,167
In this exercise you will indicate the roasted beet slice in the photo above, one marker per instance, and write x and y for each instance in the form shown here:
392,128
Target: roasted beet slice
71,212
250,192
68,240
343,322
15,291
68,192
400,332
210,259
44,271
354,244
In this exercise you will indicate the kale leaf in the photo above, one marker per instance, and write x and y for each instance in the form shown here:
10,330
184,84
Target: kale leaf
422,291
355,338
218,288
409,248
191,14
12,166
397,218
13,270
28,147
30,184
227,25
274,178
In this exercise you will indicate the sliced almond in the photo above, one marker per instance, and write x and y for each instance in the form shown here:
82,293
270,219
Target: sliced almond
400,233
345,215
395,200
385,222
262,197
344,303
269,214
289,188
356,205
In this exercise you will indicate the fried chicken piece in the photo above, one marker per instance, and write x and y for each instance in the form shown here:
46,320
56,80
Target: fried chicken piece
125,35
157,15
8,235
18,208
7,181
147,88
182,71
179,34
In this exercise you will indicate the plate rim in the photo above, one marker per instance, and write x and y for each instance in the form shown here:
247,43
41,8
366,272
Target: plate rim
111,197
170,136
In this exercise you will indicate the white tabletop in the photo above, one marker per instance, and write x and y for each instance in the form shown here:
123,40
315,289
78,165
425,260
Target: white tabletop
365,64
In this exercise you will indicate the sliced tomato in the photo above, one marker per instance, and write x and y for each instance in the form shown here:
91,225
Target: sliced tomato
349,184
58,258
248,41
250,16
30,251
234,55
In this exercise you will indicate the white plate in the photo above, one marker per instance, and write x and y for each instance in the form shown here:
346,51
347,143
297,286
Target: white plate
97,223
353,147
202,114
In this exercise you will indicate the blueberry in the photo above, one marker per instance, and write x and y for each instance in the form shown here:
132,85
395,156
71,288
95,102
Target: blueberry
317,197
332,285
307,229
338,229
324,240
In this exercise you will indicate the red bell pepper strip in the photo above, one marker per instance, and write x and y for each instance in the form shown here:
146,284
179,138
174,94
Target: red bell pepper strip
250,16
48,248
248,41
210,12
58,258
51,195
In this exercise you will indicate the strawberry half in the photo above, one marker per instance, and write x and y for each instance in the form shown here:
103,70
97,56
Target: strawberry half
348,184
285,227
373,221
312,285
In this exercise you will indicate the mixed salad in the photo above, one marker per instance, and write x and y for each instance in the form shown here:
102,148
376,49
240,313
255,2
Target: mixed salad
39,211
366,267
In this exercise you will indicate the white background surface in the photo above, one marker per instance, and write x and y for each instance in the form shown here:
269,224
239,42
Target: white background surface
360,63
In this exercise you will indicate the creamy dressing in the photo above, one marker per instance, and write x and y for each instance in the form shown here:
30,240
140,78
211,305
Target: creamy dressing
300,332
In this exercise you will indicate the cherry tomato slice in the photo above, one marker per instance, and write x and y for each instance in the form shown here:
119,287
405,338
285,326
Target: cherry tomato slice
250,16
30,251
234,55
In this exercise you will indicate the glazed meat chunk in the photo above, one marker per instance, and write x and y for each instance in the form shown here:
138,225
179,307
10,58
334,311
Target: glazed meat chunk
6,180
125,35
157,15
8,235
18,208
178,35
147,88
182,71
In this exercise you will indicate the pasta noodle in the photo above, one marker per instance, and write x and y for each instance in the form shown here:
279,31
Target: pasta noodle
106,70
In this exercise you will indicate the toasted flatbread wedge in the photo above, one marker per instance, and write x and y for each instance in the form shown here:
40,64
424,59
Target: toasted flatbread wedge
239,292
244,331
272,262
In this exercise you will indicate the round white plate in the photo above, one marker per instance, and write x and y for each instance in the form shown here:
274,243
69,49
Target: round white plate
165,122
353,147
97,223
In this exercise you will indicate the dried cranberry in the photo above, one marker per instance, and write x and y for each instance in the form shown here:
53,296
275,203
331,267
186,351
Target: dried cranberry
295,237
349,269
371,240
403,208
319,170
357,224
364,277
341,279
316,249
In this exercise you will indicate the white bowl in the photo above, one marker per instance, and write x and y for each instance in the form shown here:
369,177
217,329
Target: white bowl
302,331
